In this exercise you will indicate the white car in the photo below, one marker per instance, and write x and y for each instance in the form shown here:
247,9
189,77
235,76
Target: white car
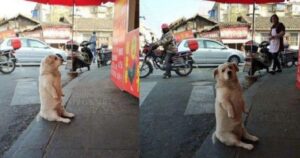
32,50
212,52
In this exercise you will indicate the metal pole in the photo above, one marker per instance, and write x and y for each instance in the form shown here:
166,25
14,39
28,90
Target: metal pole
73,14
253,23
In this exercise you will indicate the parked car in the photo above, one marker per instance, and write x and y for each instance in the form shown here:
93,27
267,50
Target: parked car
32,50
212,52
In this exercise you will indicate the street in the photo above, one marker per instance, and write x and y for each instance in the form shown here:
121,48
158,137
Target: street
19,102
177,114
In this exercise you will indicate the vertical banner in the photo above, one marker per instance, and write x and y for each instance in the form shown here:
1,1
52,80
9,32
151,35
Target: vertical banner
298,70
120,28
131,71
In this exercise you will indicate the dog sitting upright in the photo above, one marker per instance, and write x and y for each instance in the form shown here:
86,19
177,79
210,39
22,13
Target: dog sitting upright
51,91
229,107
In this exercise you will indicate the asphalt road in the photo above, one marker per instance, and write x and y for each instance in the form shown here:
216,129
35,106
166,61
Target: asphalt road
177,114
19,102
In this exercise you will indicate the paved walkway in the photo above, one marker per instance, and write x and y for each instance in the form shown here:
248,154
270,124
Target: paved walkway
106,124
274,117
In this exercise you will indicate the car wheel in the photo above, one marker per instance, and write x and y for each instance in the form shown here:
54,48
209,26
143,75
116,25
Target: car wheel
234,59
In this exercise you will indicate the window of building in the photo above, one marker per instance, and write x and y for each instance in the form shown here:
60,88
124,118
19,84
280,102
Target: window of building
294,39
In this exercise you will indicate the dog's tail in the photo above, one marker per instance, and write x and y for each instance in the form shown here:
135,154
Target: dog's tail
213,138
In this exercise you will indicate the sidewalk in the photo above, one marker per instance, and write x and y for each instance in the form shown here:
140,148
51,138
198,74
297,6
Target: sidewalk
274,117
106,124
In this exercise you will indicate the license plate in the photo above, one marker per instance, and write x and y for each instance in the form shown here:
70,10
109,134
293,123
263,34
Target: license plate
247,66
69,64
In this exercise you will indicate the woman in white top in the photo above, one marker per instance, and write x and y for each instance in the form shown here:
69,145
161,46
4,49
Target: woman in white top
276,41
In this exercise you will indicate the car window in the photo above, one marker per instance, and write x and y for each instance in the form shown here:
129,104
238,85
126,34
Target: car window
23,43
213,45
200,44
36,44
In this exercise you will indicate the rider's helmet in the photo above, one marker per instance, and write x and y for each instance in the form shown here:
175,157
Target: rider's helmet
165,28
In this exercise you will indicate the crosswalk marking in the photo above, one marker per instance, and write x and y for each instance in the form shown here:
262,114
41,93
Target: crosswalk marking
26,93
201,101
146,88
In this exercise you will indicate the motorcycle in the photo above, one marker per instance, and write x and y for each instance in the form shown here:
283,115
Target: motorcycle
103,56
181,62
255,60
8,59
79,59
288,57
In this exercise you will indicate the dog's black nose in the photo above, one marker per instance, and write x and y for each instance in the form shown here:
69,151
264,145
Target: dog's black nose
229,72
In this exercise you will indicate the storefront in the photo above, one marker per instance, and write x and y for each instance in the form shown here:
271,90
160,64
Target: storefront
57,35
233,35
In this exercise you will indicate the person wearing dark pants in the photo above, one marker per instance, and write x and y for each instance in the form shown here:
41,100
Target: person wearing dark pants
168,60
276,42
276,63
169,43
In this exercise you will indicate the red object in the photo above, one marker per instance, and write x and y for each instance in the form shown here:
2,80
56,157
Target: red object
16,43
120,28
298,71
183,35
164,26
248,1
131,70
193,45
73,2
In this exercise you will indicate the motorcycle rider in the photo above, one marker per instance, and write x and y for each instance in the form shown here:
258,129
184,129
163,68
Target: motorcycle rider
169,44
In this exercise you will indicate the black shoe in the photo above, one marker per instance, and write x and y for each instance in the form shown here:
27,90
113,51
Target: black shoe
279,70
167,76
272,72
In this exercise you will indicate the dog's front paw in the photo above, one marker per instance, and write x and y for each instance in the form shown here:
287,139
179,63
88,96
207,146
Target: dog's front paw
246,111
230,115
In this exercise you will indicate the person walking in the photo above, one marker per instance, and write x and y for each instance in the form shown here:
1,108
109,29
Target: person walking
169,43
93,41
276,42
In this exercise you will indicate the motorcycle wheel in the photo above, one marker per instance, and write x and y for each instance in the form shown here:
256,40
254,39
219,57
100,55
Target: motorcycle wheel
185,70
9,67
145,69
290,63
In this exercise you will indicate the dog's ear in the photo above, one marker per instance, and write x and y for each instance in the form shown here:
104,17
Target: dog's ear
216,73
49,60
235,67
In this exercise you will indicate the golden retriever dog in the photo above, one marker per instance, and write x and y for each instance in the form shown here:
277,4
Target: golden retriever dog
229,107
51,91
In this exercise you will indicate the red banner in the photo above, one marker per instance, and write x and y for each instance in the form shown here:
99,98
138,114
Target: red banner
210,34
183,35
234,32
119,34
131,71
6,34
298,70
